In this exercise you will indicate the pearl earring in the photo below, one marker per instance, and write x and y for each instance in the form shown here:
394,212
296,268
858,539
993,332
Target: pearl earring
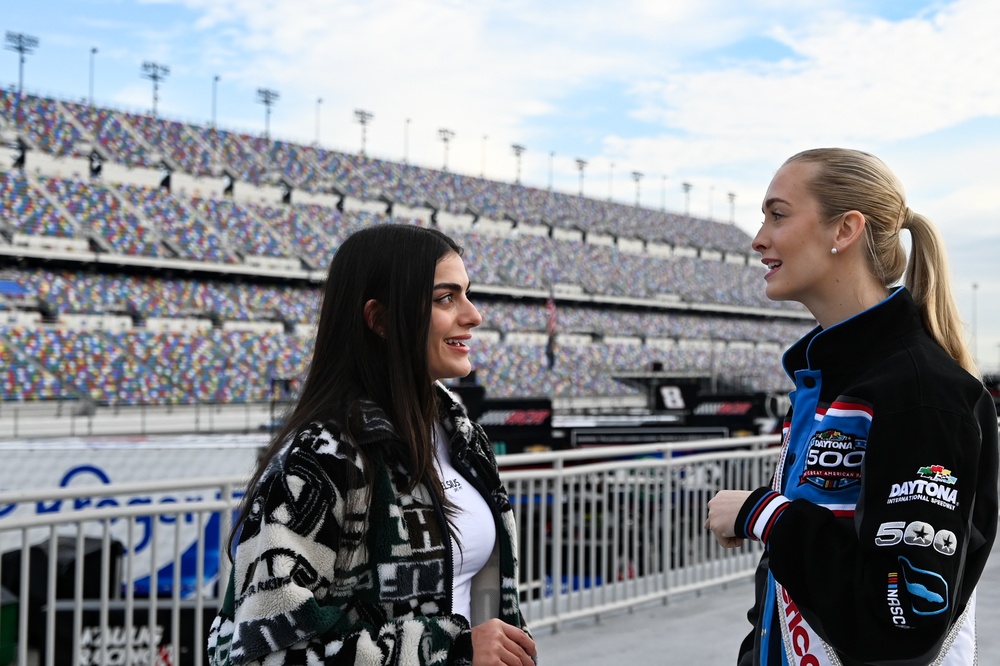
833,250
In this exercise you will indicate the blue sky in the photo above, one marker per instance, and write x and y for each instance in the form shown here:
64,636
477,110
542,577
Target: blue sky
716,93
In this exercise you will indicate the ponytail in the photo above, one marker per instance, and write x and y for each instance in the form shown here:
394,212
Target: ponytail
927,278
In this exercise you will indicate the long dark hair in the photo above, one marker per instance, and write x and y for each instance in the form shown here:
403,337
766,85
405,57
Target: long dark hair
393,264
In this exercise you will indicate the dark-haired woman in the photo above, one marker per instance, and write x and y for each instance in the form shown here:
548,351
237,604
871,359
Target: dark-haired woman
883,507
376,529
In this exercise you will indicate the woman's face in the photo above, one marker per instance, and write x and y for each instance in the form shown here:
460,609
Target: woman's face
453,316
793,241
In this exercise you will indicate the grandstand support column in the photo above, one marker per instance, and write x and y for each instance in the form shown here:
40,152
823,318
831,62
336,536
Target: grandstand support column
518,149
155,72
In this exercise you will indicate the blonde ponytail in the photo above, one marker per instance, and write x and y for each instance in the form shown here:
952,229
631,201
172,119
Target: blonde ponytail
927,278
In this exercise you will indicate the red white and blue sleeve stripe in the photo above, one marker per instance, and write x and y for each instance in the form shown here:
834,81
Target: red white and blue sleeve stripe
759,514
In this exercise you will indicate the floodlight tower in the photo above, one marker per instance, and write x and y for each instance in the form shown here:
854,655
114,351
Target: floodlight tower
363,117
155,72
611,180
267,97
581,164
518,149
663,194
552,155
636,176
446,135
687,198
24,45
732,207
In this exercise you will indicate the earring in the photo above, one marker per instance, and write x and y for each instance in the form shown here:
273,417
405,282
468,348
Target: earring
833,250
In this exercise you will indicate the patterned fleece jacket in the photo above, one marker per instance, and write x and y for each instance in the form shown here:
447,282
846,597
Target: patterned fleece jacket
330,571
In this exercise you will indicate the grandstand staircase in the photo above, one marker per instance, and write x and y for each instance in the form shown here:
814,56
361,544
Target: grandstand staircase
93,237
93,144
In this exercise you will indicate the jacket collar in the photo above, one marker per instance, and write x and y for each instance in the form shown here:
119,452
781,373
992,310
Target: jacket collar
857,340
376,425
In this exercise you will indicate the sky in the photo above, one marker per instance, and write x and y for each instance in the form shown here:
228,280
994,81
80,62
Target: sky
713,93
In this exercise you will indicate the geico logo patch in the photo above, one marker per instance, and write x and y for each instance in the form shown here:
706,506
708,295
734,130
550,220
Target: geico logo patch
834,460
925,491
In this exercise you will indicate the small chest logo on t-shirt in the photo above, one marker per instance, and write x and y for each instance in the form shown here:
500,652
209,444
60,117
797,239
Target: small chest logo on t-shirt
833,461
453,485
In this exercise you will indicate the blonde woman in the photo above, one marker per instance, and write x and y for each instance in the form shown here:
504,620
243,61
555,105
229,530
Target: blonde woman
883,506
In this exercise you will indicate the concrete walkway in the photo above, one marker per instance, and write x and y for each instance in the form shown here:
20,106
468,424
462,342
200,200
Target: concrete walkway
707,629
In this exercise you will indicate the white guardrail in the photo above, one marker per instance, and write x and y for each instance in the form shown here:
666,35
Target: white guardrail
601,529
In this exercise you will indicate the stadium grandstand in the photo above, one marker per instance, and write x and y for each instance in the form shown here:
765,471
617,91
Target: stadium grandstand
151,262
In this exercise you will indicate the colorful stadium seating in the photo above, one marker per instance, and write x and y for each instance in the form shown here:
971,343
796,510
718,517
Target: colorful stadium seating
141,366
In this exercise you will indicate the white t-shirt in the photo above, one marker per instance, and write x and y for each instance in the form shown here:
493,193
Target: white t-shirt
473,522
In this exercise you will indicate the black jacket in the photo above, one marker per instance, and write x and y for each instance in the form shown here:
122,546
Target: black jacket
884,508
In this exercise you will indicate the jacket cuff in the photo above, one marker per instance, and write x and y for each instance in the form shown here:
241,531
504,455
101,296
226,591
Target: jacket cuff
759,513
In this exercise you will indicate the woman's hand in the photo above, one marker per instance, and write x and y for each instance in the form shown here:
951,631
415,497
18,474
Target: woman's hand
722,512
495,642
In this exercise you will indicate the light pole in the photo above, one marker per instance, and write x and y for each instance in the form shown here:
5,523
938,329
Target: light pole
406,142
319,103
482,166
581,164
446,136
267,97
636,176
518,149
732,207
663,195
93,52
215,84
687,198
611,180
552,155
24,45
363,117
975,326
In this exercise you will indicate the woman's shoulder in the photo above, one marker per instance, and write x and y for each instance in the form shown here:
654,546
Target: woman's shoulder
323,440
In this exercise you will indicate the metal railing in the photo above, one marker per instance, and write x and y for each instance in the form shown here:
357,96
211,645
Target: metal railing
106,579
